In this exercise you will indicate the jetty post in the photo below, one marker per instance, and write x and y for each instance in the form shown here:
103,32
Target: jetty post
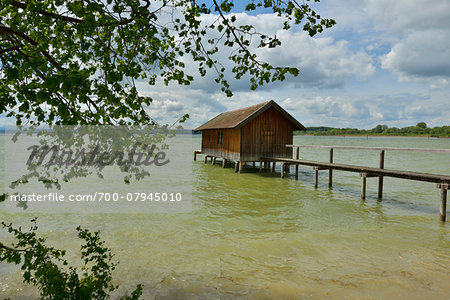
443,208
316,177
363,185
380,179
330,171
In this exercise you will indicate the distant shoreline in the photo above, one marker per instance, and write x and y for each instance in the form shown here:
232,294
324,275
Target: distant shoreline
375,135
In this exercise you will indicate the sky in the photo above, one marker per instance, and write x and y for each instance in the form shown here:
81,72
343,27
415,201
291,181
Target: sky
384,62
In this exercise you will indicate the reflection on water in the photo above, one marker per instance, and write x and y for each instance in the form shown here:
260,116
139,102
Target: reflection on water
255,236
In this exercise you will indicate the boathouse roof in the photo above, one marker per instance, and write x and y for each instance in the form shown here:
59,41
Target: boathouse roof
237,118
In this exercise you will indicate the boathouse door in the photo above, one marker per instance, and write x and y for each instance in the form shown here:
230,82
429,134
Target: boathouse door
267,140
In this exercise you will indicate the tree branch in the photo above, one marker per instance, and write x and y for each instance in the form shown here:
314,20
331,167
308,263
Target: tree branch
7,30
12,249
10,49
233,32
46,13
75,20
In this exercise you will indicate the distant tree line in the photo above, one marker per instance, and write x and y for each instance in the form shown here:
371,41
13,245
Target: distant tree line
421,129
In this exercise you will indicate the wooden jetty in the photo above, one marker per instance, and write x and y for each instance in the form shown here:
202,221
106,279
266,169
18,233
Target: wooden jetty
442,181
264,133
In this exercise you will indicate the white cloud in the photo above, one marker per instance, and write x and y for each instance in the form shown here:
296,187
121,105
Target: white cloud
402,109
422,55
411,36
419,35
323,61
403,16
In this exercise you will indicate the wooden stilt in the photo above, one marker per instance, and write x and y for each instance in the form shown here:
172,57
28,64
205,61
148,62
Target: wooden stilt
363,185
260,166
282,170
236,166
297,156
443,208
273,166
254,164
241,165
380,179
224,162
316,177
330,171
214,160
195,155
206,159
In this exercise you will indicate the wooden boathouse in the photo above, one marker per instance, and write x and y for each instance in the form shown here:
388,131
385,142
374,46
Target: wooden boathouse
247,134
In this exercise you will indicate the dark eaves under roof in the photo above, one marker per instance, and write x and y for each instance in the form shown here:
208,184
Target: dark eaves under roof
235,119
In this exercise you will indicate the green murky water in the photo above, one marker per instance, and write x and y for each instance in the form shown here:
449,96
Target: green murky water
256,236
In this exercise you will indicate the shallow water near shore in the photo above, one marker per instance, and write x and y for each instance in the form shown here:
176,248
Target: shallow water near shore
257,236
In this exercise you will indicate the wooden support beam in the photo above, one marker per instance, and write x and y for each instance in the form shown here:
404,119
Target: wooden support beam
368,175
273,166
206,159
373,148
260,166
195,155
297,156
443,208
380,179
282,170
241,166
363,185
214,160
253,164
236,166
330,171
427,177
323,168
443,185
224,162
316,177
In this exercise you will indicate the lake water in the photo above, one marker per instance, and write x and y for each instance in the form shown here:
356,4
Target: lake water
256,236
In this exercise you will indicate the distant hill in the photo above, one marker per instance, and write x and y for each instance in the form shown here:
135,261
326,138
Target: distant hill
319,128
420,129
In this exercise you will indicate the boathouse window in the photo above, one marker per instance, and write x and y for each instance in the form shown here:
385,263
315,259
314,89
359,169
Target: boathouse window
219,138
